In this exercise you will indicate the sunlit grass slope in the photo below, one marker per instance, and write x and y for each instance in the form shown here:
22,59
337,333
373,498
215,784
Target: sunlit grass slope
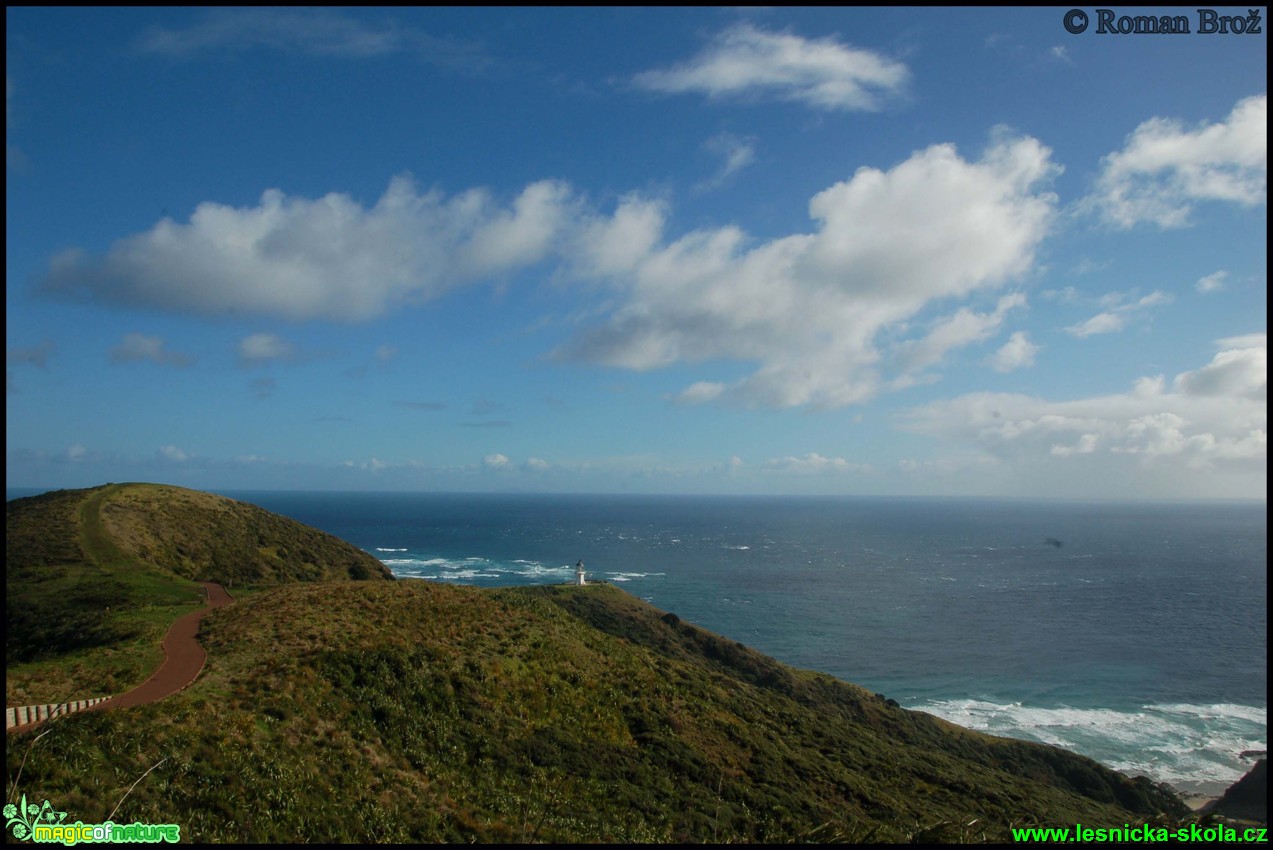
93,578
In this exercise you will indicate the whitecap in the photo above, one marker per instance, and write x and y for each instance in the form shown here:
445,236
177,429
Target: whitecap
1182,744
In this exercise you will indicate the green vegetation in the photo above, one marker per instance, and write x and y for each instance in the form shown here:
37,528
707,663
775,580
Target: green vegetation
411,711
94,578
375,711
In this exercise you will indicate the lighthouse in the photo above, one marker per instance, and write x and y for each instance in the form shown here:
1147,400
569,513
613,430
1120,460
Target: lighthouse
579,580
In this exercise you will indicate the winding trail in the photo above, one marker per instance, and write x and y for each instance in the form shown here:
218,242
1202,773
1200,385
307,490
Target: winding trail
183,659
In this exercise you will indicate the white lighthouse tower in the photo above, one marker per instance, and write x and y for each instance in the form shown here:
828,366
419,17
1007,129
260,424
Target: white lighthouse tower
579,580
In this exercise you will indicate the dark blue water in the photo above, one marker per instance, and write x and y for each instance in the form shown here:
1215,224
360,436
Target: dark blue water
1135,633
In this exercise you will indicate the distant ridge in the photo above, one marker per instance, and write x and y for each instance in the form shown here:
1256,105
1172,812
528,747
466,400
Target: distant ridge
107,569
188,533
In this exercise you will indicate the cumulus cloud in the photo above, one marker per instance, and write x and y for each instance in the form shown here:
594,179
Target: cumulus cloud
1018,352
1165,168
1101,323
372,465
135,347
614,246
1213,417
963,328
746,61
807,307
701,391
1240,369
260,348
1213,282
496,461
173,454
1116,318
329,258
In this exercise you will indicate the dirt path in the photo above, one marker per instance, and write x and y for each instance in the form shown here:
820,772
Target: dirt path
183,659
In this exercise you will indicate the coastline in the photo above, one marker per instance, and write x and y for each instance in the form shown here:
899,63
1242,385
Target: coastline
1197,802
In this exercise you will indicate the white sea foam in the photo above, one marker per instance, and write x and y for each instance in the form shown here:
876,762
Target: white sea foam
384,549
475,567
1194,747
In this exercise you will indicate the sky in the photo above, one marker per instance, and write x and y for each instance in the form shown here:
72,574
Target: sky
896,252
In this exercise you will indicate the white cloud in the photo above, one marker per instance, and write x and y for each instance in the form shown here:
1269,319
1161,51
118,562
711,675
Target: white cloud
813,464
535,464
1164,169
1086,445
736,154
823,74
605,247
1101,323
173,454
1116,319
496,461
329,258
1213,282
1241,369
136,346
700,392
1016,353
807,307
963,328
1215,418
259,348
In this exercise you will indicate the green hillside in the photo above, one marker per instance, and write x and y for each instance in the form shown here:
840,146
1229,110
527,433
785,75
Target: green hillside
413,711
93,578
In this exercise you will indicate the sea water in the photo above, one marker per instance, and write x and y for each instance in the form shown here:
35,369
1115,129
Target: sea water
1136,634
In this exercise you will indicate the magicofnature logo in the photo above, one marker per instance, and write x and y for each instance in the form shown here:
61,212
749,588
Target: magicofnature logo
46,825
23,818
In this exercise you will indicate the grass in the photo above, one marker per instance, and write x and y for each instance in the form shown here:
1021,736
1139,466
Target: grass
95,577
418,712
375,711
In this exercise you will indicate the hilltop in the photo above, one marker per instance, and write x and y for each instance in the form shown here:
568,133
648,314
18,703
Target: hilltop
375,711
93,577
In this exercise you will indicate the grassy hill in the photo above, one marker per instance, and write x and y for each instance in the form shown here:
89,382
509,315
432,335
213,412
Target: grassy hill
377,711
93,578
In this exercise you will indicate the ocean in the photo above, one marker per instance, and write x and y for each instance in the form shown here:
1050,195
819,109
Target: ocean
1136,634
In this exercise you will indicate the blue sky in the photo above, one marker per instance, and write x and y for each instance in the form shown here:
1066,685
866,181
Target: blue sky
858,251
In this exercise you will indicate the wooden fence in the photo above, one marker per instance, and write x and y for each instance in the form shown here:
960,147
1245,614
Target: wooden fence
26,714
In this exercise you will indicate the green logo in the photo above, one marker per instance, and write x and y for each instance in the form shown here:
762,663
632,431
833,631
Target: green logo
23,818
46,825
